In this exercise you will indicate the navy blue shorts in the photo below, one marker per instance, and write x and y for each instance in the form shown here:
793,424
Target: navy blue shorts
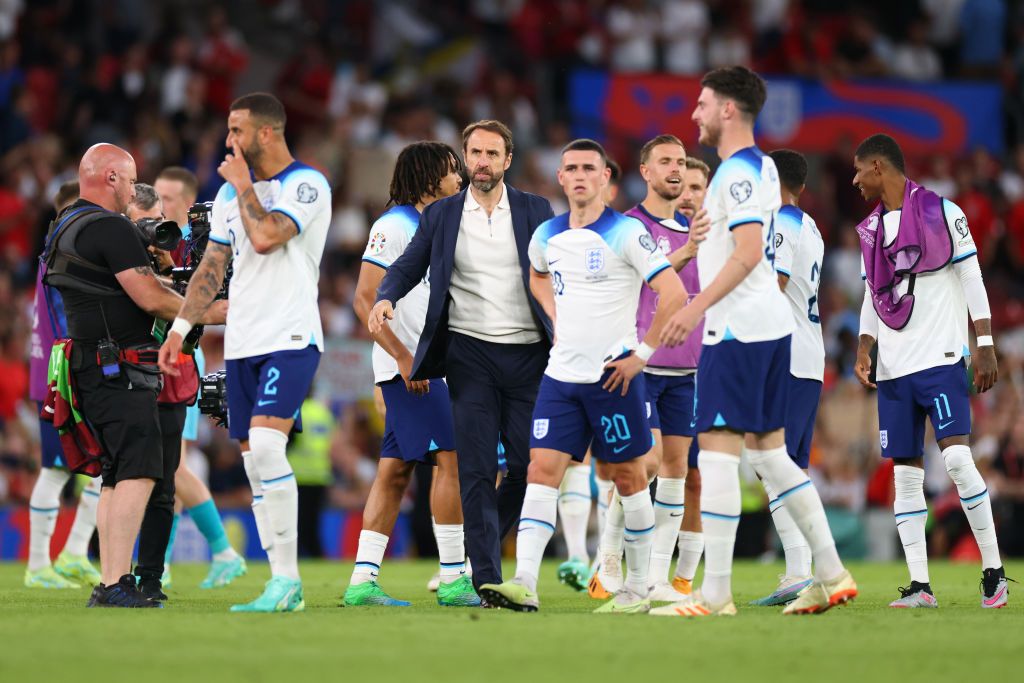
415,427
940,394
272,384
691,460
743,386
670,403
801,411
49,443
567,417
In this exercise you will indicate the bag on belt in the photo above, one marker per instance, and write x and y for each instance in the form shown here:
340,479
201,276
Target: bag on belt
82,450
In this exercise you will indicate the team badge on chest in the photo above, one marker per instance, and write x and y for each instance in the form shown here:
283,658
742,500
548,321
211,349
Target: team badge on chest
595,260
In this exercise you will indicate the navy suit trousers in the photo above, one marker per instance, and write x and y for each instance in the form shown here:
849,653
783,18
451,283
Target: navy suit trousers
493,388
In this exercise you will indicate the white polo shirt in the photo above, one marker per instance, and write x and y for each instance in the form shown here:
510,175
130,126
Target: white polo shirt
489,300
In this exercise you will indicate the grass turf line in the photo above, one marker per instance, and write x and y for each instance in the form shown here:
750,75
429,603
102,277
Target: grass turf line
49,634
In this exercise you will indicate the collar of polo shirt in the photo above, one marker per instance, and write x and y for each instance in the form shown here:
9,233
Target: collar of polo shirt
472,204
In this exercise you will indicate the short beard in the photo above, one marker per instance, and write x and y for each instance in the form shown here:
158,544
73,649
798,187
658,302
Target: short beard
665,191
253,155
489,184
711,137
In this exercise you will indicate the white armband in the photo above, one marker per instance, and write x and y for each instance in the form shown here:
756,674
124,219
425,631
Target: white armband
181,326
985,340
644,352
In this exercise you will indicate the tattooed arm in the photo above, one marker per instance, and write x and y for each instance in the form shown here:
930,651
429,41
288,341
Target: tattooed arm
205,284
148,293
266,230
197,308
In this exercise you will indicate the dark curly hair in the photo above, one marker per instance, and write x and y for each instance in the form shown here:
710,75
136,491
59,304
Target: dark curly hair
419,170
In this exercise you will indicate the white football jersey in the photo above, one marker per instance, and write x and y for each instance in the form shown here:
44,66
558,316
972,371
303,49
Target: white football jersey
596,273
799,251
745,189
274,296
937,331
389,237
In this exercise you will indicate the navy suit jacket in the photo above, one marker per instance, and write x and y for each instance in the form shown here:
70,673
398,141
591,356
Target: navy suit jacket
433,246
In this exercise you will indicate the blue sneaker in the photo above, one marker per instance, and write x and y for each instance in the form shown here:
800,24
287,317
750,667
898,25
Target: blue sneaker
574,573
281,594
788,590
224,572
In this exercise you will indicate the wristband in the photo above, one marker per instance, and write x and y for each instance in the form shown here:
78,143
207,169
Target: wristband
181,326
644,352
986,340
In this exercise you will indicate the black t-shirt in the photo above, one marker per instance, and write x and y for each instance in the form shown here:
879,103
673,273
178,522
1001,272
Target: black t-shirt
113,242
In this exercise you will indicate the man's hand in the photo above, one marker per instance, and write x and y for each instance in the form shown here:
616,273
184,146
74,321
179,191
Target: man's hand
680,325
381,312
234,169
862,368
164,261
217,313
986,370
700,226
413,386
623,372
170,354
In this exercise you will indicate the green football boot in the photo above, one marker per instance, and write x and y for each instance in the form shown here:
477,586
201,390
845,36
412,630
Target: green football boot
458,593
370,594
280,595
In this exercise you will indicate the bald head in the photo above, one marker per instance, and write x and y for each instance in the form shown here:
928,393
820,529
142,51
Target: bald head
107,177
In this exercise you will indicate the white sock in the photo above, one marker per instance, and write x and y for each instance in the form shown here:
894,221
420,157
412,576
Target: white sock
974,499
280,496
668,508
691,547
369,557
614,525
85,520
44,504
798,553
574,511
536,525
720,514
794,489
259,510
911,517
604,492
451,551
638,512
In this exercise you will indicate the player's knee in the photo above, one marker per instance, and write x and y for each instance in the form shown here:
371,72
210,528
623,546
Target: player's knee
542,471
693,484
630,480
959,461
446,464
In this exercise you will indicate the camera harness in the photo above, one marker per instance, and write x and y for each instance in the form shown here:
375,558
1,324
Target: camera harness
65,267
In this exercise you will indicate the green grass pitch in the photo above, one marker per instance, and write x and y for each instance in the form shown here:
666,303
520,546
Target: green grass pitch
50,636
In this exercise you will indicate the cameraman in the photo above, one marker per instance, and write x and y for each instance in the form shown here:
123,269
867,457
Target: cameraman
97,261
274,336
158,521
177,188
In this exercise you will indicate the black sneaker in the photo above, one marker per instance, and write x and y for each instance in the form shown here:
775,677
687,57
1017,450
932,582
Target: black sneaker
122,594
152,589
97,593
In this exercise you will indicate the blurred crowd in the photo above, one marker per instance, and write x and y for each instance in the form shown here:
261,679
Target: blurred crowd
363,78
